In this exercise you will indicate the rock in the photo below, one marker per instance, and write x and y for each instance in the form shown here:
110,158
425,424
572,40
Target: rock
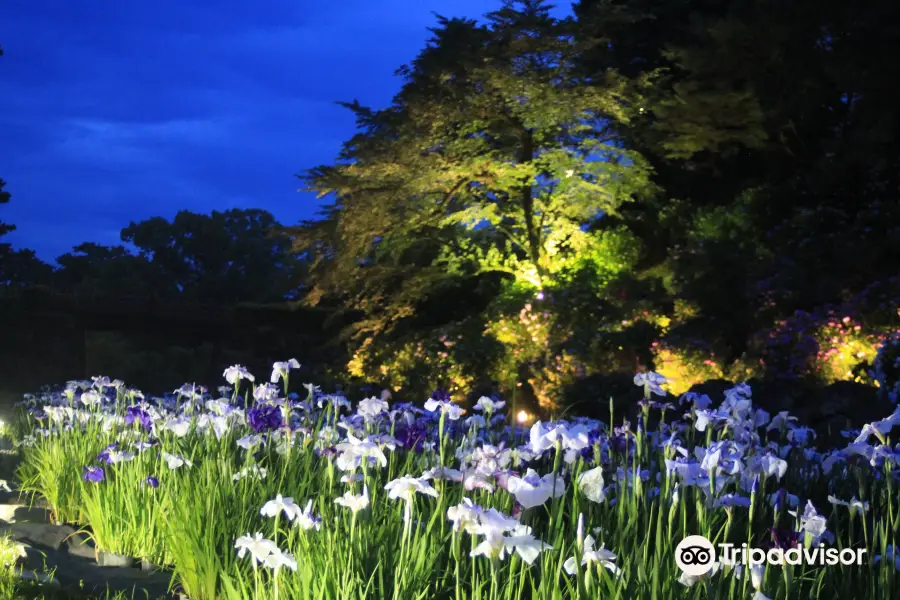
80,545
70,556
42,536
23,498
18,513
39,577
108,559
149,567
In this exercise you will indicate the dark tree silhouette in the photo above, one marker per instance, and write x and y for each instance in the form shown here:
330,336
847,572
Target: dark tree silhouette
239,255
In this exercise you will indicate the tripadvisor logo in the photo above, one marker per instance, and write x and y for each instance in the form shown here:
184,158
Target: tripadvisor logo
696,555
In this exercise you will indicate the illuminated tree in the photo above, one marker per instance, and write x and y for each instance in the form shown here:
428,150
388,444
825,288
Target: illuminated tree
496,156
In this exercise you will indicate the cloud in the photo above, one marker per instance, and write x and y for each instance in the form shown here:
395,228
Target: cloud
130,143
118,111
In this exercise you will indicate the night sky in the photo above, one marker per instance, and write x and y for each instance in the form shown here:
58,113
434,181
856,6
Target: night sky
114,111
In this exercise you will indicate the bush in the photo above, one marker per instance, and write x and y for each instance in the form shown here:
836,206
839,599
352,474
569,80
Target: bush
886,369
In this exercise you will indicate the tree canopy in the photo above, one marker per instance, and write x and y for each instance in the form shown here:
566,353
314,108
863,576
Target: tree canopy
687,172
222,258
705,188
494,157
225,257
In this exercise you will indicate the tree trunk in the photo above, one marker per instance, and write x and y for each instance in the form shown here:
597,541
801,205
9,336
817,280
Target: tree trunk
531,229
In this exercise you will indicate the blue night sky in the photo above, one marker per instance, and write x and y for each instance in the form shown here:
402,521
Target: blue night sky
115,111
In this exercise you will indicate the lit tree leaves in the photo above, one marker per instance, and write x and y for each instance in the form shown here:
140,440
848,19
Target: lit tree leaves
505,154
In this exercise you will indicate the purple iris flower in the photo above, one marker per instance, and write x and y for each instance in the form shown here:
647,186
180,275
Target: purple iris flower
136,413
169,402
94,474
619,443
454,429
104,454
329,452
152,482
594,438
264,417
782,538
301,405
412,437
441,395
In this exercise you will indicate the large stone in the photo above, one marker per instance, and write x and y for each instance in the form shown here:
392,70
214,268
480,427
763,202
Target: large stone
41,536
74,571
80,545
38,577
23,498
108,559
18,513
71,557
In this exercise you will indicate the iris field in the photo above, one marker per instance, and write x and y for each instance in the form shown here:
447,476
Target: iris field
267,491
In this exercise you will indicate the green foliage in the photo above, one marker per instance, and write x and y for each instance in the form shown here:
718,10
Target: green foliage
456,357
886,369
14,265
495,157
504,150
24,269
4,227
674,172
147,361
222,258
776,188
690,362
214,498
91,269
52,470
